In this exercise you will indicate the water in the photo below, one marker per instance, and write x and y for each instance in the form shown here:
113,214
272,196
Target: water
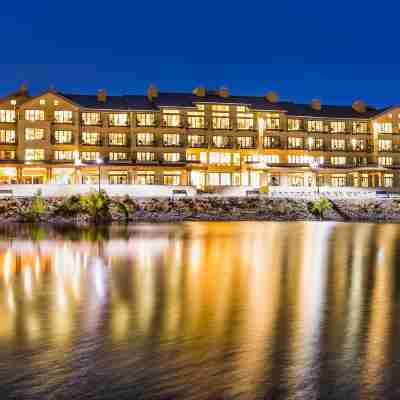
242,310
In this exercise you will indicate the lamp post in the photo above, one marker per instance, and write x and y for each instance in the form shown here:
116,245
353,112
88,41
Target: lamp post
314,165
99,161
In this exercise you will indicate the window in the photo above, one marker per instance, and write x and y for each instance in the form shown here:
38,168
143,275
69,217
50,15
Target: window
338,160
221,141
42,102
145,156
90,155
295,143
117,139
91,118
172,118
385,145
359,161
219,158
241,109
294,124
220,108
338,144
196,119
7,136
119,119
219,179
63,117
315,143
245,121
271,142
34,134
358,144
145,139
91,138
270,159
196,141
62,137
118,156
145,119
338,126
7,115
61,155
172,157
300,159
383,127
172,180
385,161
171,139
388,180
272,121
315,126
34,154
118,178
145,178
7,155
338,180
360,127
245,142
220,120
34,115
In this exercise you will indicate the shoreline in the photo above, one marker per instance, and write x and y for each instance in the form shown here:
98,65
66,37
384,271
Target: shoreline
126,210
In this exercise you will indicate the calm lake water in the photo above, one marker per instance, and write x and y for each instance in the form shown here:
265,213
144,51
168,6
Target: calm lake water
244,310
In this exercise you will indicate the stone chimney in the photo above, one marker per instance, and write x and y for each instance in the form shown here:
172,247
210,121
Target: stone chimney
316,104
152,92
359,106
199,91
23,89
223,92
272,97
102,96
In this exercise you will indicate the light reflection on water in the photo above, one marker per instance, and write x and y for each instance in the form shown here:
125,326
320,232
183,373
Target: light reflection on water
200,311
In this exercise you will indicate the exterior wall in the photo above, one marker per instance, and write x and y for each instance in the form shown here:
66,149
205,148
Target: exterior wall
360,169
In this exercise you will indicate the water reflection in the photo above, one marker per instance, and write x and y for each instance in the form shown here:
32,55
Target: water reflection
202,311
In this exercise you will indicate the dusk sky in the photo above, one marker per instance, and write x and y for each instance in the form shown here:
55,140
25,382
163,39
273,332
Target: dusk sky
336,51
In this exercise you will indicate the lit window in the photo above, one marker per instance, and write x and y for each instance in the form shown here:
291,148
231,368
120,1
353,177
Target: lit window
62,116
388,180
42,102
338,126
358,144
219,179
315,143
118,178
245,121
56,102
117,139
7,155
145,139
315,126
338,160
171,157
34,134
62,137
338,144
34,154
294,124
13,102
145,156
145,178
300,159
119,119
90,155
272,121
34,115
172,118
7,136
385,161
295,143
91,118
118,156
196,119
171,179
220,108
385,144
91,138
270,159
383,127
245,142
7,115
219,158
221,141
196,141
63,155
338,180
171,139
145,119
271,142
360,127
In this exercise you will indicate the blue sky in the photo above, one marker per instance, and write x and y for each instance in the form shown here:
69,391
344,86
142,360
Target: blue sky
337,51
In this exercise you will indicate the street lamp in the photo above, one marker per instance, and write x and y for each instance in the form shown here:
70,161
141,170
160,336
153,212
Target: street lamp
99,161
314,165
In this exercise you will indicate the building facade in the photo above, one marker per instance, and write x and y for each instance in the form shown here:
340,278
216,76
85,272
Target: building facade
204,139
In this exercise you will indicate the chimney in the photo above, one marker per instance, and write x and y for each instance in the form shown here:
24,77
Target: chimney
23,89
359,106
272,97
316,104
102,96
199,91
223,92
152,92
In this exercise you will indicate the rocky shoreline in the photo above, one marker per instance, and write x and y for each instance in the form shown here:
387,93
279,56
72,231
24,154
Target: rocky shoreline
202,208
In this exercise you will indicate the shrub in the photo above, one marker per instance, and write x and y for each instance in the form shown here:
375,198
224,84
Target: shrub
37,208
320,206
96,205
69,207
123,209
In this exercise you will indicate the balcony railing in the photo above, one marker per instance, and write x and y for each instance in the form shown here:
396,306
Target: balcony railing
152,143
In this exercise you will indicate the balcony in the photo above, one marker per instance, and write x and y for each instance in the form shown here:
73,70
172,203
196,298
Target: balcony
243,147
151,143
277,145
92,143
173,144
198,145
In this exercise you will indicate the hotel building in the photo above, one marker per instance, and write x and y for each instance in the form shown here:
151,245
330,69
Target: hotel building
204,139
